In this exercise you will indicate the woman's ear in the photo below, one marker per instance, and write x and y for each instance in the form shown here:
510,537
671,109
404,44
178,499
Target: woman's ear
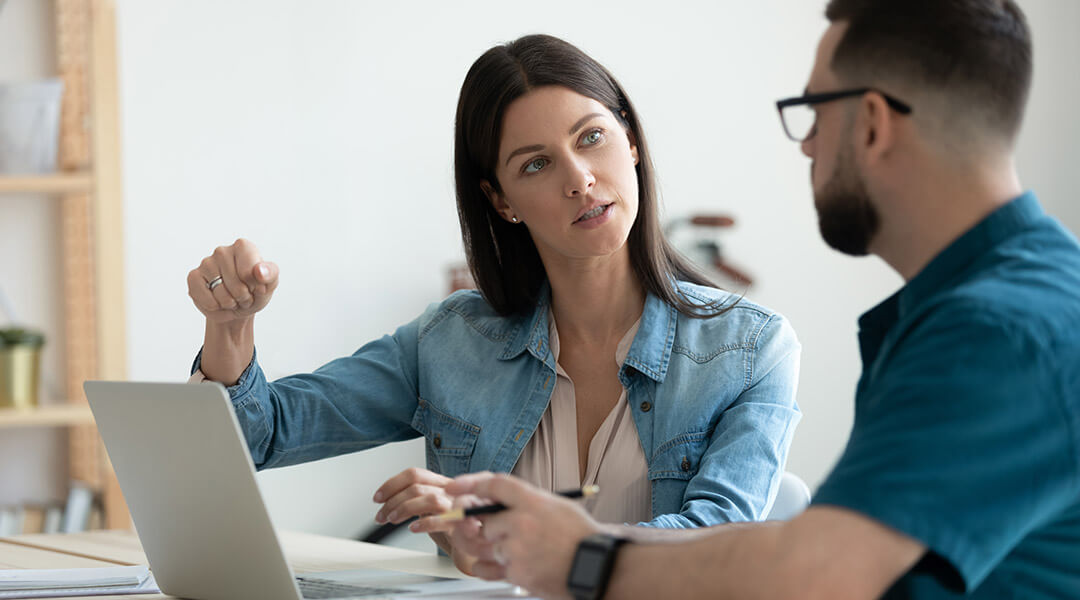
498,202
630,136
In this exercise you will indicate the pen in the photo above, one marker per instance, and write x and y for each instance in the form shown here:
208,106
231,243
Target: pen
460,513
377,534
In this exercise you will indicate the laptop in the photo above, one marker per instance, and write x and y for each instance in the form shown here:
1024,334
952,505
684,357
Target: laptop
190,484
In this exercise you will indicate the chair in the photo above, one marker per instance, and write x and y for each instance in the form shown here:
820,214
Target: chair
792,498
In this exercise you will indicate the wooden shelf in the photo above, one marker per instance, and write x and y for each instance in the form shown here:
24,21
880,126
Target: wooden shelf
57,183
50,415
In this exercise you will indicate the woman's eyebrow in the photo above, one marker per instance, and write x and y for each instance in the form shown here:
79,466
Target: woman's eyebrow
526,149
581,122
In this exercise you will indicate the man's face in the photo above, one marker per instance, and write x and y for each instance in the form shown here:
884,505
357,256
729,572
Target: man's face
847,219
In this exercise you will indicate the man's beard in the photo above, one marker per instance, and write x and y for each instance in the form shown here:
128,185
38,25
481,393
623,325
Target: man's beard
847,220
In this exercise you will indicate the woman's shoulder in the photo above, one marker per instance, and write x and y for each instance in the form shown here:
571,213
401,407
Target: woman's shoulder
469,307
737,320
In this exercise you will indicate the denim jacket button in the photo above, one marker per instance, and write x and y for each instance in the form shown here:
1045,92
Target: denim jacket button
685,466
437,442
645,406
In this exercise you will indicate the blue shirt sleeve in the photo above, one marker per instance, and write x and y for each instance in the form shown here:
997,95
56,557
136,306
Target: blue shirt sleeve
961,440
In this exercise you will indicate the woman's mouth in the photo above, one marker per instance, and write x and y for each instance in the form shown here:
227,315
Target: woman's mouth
594,213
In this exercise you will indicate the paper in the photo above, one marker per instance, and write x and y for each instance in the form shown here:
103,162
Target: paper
51,583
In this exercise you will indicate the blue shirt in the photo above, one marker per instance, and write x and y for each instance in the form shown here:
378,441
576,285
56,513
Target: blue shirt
967,414
713,400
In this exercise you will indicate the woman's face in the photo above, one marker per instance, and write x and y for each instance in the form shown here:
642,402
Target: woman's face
566,167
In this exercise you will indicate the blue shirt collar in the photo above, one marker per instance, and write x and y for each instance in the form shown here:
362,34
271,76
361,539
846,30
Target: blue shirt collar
649,354
943,272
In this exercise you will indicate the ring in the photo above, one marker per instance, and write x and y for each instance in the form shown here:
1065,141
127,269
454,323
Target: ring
213,283
496,553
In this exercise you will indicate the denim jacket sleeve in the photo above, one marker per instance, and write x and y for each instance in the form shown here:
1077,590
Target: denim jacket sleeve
349,404
738,465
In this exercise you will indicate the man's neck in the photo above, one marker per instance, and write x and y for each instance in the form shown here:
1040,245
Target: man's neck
932,210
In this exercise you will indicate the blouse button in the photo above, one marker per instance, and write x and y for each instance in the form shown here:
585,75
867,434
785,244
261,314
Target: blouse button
645,406
437,442
685,466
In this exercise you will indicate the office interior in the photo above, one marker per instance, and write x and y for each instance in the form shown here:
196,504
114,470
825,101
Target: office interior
323,132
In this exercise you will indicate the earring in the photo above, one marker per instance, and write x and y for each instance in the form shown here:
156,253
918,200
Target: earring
514,219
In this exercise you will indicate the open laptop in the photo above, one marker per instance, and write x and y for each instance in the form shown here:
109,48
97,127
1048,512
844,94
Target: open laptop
188,479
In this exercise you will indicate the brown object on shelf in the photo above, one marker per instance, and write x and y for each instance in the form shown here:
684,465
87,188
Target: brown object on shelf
712,220
714,256
460,278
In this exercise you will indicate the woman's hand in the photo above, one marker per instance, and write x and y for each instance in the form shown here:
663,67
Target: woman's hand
414,493
246,283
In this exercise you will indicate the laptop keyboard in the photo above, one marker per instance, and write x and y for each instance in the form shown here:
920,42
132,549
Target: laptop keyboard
311,588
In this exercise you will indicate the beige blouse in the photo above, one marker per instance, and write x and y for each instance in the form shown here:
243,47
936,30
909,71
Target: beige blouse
616,461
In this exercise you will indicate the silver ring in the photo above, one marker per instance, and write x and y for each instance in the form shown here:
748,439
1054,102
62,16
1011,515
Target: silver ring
213,283
496,553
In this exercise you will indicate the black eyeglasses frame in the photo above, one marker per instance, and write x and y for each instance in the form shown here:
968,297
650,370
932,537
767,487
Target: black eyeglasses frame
812,99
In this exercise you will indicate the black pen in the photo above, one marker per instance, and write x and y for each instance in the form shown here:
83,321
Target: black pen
458,513
377,534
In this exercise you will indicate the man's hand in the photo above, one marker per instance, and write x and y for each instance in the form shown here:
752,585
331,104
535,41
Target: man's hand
531,543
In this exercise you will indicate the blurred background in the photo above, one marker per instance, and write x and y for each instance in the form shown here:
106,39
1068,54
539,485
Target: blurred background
323,132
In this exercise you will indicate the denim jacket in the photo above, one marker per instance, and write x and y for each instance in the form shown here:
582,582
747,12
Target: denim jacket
713,400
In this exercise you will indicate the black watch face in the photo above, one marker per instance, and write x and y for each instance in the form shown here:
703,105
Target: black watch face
587,567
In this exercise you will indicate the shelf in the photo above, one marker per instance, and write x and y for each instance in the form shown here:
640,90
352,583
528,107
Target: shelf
50,415
56,183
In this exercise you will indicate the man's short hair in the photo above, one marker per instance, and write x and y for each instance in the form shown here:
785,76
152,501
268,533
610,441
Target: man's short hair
975,53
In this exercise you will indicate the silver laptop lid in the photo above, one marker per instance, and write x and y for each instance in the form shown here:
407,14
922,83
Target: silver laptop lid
188,479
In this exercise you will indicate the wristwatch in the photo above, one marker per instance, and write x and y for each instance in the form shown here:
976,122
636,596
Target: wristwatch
592,566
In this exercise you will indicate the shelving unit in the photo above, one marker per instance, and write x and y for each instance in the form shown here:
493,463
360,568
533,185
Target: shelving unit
59,183
88,189
51,415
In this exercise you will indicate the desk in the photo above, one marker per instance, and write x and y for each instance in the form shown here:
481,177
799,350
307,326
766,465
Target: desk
305,553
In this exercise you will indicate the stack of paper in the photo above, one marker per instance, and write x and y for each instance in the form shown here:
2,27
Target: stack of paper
51,583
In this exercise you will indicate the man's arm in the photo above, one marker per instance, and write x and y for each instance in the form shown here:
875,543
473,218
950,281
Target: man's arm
826,552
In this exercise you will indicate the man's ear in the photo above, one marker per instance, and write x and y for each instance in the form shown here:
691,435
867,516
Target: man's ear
874,130
498,201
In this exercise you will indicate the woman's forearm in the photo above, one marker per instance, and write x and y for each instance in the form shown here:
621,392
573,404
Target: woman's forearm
228,349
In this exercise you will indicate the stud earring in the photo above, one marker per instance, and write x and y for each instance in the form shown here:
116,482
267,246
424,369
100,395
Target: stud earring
514,219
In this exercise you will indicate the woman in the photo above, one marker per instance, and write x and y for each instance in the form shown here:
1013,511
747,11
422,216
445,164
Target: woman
592,353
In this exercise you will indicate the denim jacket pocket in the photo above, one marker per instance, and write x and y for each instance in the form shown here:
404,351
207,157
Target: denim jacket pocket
449,440
673,465
679,457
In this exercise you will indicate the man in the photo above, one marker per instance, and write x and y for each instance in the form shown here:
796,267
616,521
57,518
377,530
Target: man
962,473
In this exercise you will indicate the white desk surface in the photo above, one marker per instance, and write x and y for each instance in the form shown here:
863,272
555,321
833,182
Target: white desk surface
305,552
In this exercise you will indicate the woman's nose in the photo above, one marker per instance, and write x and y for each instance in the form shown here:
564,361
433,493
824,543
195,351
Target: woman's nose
579,178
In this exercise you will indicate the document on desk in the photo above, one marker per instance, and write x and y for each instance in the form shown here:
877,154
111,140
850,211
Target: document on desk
53,583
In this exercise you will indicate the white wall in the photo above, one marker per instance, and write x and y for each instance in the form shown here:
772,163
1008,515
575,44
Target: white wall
323,131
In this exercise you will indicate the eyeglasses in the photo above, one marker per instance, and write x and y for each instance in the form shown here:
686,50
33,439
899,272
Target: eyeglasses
800,121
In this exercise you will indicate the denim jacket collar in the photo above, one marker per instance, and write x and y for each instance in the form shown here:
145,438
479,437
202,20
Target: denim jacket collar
649,354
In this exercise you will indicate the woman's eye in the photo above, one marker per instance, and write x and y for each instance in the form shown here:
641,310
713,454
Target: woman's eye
534,165
593,137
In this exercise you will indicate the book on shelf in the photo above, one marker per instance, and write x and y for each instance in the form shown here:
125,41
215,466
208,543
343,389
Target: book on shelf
54,518
11,520
80,506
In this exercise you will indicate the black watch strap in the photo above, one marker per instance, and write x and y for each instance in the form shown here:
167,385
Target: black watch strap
592,566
